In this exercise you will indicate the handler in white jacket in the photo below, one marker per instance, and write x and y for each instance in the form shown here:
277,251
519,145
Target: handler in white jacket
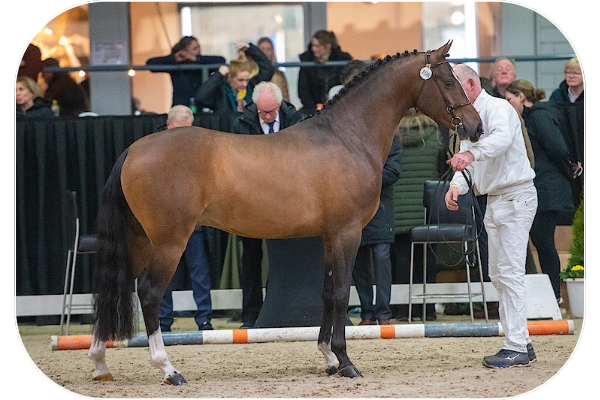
499,167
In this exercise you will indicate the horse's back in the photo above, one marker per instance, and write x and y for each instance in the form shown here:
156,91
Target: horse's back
284,185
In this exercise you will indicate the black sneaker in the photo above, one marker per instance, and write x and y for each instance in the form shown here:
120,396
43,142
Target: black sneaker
506,359
207,326
531,353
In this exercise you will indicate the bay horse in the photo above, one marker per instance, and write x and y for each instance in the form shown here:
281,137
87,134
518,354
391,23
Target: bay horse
319,177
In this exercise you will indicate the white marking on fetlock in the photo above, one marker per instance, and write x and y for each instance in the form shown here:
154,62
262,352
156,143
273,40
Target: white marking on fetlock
158,354
330,357
97,354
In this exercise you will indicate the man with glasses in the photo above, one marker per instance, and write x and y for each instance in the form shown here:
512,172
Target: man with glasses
268,113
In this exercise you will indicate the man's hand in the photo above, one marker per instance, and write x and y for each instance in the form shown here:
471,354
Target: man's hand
461,161
452,198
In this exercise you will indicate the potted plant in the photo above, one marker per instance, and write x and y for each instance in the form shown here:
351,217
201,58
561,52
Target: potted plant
574,274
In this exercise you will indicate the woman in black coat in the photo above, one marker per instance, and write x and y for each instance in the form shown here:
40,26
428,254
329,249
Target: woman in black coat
553,172
569,98
314,82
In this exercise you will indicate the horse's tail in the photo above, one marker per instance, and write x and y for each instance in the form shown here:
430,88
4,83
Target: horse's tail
113,279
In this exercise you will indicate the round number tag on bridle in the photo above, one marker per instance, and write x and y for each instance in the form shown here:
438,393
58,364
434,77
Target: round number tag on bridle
425,72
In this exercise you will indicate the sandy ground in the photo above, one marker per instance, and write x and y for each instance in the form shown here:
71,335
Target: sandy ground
396,368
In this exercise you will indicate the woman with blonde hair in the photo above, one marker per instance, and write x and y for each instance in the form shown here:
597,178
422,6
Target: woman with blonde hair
28,101
552,171
229,89
569,98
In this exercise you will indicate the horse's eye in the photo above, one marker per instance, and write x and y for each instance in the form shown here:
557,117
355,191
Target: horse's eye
449,83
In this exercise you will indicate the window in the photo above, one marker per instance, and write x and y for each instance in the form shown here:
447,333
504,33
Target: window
457,21
217,28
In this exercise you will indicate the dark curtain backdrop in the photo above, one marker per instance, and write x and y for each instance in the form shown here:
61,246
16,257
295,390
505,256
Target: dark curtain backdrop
61,154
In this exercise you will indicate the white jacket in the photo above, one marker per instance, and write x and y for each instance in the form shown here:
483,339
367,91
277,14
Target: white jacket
501,164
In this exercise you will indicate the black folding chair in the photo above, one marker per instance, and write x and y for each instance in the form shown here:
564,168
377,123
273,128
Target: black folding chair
79,244
443,226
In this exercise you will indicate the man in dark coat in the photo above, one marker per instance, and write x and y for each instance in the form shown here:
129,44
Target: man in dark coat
376,240
268,113
185,82
61,87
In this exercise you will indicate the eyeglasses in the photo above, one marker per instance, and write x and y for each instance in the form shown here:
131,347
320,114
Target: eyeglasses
272,112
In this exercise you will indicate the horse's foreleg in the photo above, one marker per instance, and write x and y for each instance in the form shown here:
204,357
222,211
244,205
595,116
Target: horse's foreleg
151,287
97,354
324,341
343,254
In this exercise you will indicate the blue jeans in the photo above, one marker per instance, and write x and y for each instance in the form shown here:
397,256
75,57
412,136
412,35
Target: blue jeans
363,282
195,256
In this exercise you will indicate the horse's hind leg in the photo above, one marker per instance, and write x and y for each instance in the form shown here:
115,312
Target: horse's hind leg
151,287
97,354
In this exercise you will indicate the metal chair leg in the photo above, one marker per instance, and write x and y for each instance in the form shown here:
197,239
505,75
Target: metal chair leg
71,292
64,301
470,294
485,308
410,281
424,311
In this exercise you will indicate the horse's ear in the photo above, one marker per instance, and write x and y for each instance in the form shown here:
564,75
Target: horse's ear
446,48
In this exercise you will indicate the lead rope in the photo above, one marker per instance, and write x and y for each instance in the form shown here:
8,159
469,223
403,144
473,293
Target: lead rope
468,254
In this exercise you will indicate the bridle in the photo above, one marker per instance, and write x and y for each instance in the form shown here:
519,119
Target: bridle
427,72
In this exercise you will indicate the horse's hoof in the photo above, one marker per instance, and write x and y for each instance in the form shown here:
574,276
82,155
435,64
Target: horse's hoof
349,372
176,380
331,370
104,377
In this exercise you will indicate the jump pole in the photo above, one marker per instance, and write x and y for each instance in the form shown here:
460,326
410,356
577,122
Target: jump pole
266,335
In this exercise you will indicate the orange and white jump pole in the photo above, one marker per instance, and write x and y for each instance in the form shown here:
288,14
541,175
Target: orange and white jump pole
265,335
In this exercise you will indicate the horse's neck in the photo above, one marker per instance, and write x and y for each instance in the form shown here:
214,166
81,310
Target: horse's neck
373,109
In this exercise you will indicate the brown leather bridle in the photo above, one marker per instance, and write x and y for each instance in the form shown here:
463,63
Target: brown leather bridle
456,120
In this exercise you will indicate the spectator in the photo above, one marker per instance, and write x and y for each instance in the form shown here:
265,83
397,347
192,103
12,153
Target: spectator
31,63
185,82
268,113
29,103
375,245
504,72
195,255
552,172
569,97
570,89
349,71
266,46
498,166
229,89
314,83
69,94
423,158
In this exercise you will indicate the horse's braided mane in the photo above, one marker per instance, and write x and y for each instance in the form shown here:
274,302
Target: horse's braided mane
358,77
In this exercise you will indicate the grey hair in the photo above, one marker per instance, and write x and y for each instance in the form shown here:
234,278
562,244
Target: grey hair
180,112
266,87
512,61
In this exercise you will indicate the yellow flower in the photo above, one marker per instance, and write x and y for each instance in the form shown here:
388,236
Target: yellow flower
577,268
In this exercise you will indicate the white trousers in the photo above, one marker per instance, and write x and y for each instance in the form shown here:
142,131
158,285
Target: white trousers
508,219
